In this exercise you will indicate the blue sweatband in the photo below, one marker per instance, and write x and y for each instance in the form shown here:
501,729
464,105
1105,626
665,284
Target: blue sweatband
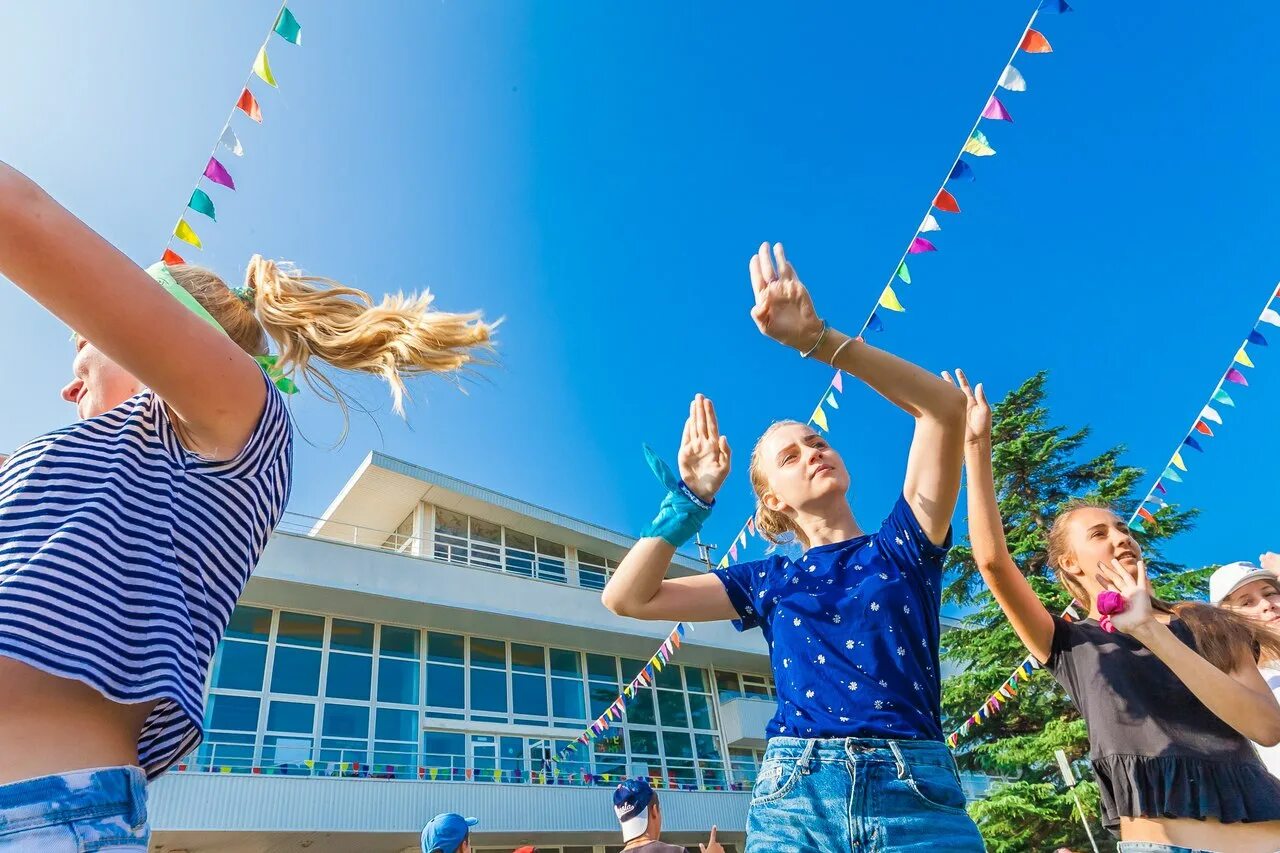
682,513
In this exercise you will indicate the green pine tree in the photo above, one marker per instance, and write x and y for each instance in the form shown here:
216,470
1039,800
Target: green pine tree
1039,466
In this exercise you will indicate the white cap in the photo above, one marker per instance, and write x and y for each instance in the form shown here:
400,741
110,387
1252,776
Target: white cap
1232,576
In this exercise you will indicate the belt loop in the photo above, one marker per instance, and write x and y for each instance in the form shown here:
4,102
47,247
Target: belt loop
137,798
897,756
807,760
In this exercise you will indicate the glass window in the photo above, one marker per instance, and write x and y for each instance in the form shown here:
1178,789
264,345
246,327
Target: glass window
488,690
236,713
398,642
291,717
351,636
640,711
445,751
727,684
672,710
516,539
755,685
450,522
278,750
490,654
566,663
349,676
676,745
669,678
643,742
398,681
296,671
444,686
346,721
601,696
550,549
395,724
701,712
528,658
485,531
444,648
602,668
239,665
707,746
301,629
249,623
529,694
566,699
695,679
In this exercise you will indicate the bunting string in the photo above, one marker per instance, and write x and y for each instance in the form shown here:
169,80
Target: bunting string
215,172
1154,500
942,200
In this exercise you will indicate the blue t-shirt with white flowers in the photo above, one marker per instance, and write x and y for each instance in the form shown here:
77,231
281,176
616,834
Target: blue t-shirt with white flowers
853,630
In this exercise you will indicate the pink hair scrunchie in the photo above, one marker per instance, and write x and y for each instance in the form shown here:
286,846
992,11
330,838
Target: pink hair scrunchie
1110,603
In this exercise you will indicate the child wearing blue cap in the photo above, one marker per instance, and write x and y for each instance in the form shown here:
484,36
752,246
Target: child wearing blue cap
447,833
638,812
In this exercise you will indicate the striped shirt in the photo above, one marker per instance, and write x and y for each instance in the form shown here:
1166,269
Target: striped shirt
122,555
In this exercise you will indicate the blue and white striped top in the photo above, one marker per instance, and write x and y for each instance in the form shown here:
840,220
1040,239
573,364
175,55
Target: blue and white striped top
122,555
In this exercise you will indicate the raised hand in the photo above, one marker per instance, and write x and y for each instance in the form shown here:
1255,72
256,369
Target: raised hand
784,310
704,453
1137,594
712,846
1271,562
977,424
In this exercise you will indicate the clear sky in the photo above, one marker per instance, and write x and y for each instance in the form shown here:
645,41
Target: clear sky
600,173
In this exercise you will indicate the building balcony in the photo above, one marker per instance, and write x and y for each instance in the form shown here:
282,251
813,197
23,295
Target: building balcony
743,720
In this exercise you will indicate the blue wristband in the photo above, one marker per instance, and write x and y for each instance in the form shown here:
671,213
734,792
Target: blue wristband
682,513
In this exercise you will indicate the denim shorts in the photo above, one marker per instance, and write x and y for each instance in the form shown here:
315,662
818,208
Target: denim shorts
103,809
860,795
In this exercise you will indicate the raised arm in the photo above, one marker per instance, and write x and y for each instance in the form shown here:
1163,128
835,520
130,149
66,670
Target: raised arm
1022,607
784,311
211,384
640,587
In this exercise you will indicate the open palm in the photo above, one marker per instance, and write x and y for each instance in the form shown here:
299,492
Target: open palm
977,425
784,310
1136,592
704,453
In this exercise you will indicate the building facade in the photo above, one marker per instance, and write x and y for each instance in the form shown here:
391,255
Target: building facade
428,645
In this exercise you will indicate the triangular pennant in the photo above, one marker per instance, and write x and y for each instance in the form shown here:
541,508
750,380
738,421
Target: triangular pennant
831,400
1170,474
287,27
751,525
183,232
1035,42
874,323
819,417
946,201
1209,413
1146,514
889,299
262,67
1221,396
1203,428
201,203
930,223
1192,443
920,245
172,258
248,104
978,146
1269,315
995,110
733,552
837,382
1160,488
962,171
231,142
1012,80
1255,337
724,562
1178,463
742,538
218,173
1242,357
904,273
1058,7
1236,376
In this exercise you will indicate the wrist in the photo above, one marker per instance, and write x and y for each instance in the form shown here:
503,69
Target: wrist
835,342
1148,633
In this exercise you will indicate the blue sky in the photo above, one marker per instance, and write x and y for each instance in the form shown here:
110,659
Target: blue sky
599,175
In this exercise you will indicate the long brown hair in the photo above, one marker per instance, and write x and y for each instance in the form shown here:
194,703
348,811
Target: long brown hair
314,319
774,526
1222,637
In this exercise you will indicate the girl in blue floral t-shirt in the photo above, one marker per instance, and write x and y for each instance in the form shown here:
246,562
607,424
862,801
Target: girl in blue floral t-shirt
855,757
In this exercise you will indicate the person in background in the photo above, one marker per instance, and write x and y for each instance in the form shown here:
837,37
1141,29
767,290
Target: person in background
448,833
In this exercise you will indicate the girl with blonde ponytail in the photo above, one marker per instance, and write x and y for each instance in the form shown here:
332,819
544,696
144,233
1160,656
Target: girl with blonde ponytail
126,537
855,757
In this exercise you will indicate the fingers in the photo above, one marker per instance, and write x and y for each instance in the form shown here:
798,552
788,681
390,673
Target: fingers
760,314
981,394
725,450
713,425
766,263
758,282
963,382
712,839
699,417
1142,574
946,375
687,436
780,256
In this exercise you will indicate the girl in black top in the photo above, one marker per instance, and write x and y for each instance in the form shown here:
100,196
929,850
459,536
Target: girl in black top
1171,694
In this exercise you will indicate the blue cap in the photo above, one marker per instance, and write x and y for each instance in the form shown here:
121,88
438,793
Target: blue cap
631,802
446,832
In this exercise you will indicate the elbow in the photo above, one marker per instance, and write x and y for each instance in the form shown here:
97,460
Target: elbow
1269,732
953,407
614,603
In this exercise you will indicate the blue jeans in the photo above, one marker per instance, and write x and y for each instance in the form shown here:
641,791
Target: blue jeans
74,812
859,795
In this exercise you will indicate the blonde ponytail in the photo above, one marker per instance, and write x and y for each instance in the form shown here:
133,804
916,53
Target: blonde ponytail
314,319
774,526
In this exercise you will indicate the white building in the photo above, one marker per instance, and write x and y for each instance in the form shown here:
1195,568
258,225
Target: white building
425,646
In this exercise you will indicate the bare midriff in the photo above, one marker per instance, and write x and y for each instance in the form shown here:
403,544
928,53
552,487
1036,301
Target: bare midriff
1204,834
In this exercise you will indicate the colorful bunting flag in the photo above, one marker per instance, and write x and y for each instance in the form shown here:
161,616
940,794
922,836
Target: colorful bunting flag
837,382
217,173
263,68
819,417
751,522
920,245
172,258
1269,315
962,171
1255,337
1192,443
831,400
1170,474
1012,80
874,323
1058,7
904,273
1221,396
946,201
930,223
183,232
1242,357
1178,463
995,110
1035,42
1209,413
287,27
733,552
248,104
889,299
201,203
1236,376
229,141
978,146
1203,428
